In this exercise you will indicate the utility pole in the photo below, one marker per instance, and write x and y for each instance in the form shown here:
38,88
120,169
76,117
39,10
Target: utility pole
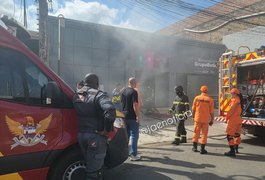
25,14
61,24
43,40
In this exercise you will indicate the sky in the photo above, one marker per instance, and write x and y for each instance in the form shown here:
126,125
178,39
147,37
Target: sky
143,15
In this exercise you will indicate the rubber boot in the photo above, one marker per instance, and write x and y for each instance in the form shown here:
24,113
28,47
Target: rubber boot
183,139
194,149
236,148
203,151
176,141
231,152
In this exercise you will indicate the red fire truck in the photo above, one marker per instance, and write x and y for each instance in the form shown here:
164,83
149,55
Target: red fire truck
38,124
247,73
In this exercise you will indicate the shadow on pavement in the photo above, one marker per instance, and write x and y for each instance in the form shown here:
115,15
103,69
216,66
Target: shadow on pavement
241,156
257,141
173,149
250,157
217,145
168,161
246,177
134,171
140,172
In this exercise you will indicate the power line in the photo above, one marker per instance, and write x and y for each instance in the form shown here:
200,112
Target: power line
226,22
173,10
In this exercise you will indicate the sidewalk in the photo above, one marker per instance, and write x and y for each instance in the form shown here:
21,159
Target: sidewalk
166,133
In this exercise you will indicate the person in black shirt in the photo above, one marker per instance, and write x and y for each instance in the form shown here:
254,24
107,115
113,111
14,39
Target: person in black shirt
131,111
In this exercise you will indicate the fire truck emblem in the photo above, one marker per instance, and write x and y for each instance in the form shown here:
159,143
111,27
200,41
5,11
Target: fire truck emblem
28,134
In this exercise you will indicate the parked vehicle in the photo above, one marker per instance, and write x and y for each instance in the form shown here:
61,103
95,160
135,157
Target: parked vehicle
247,73
38,124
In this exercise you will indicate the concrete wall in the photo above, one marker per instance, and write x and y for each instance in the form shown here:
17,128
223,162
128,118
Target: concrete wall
252,38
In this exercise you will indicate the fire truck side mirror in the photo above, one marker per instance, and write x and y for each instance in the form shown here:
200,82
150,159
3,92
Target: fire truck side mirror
53,94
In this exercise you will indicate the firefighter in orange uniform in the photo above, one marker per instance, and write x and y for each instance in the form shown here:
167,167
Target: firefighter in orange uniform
203,115
234,122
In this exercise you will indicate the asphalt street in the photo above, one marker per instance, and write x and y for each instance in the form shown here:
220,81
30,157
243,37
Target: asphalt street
163,161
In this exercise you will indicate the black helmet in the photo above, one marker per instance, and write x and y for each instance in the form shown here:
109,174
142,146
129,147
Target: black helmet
178,88
91,80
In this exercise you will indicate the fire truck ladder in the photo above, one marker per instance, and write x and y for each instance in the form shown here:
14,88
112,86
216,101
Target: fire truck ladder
225,77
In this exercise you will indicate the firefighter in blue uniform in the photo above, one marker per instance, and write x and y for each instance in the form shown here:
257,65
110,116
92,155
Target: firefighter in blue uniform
96,114
179,108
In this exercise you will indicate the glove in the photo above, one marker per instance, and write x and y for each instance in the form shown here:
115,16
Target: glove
211,123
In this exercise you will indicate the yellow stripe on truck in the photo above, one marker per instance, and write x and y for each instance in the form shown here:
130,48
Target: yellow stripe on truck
13,176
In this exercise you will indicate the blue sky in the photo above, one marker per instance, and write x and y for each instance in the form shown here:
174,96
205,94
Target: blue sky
148,15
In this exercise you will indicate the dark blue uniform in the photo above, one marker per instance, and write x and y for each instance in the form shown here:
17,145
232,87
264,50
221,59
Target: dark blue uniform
96,114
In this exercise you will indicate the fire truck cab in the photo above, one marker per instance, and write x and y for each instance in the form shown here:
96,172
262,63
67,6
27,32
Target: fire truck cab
247,73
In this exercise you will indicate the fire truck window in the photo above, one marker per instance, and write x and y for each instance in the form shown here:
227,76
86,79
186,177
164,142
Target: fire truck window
36,82
20,79
11,80
5,91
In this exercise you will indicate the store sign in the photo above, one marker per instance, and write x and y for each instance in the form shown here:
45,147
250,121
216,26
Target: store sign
205,66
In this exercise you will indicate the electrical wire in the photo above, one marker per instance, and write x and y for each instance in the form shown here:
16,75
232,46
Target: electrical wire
224,23
155,9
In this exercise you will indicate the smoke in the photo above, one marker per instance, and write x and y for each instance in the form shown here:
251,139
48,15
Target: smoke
145,56
115,54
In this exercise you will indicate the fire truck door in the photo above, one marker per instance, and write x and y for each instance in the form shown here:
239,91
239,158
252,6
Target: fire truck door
29,127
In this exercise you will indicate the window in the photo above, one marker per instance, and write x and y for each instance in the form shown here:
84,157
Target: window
11,81
20,79
36,83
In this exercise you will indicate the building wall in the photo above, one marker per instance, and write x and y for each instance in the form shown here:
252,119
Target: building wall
252,38
158,62
200,21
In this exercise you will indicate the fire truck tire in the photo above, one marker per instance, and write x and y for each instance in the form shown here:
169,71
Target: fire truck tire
70,167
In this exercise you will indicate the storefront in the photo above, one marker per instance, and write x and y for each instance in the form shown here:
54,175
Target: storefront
158,62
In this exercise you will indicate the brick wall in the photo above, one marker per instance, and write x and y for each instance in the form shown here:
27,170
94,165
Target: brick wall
202,22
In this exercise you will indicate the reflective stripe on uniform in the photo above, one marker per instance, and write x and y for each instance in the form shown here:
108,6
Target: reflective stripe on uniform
202,100
178,102
116,99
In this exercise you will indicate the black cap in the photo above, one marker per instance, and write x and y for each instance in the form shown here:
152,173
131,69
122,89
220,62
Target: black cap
91,80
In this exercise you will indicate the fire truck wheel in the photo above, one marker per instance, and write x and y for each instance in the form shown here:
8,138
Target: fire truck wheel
70,167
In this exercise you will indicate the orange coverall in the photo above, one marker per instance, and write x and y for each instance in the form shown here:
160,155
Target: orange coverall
203,106
234,122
